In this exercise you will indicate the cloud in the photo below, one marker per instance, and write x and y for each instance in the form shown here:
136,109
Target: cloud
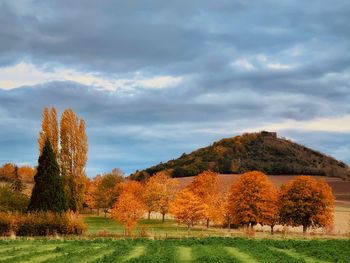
25,74
154,79
335,124
279,66
243,63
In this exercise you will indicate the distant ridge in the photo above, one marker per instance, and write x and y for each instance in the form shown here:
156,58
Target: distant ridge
262,151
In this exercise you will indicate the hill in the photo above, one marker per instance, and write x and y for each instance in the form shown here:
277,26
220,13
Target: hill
262,151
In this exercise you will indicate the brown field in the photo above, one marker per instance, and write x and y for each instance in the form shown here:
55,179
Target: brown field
341,191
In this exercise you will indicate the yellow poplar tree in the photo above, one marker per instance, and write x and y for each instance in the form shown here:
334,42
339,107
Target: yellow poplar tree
73,158
49,129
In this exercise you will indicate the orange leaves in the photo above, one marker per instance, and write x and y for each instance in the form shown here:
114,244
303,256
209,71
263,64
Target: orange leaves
129,208
26,173
188,208
307,202
252,199
159,192
73,157
49,129
206,187
103,190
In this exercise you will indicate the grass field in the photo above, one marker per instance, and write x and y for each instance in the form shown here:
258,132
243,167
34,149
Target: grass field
172,250
101,226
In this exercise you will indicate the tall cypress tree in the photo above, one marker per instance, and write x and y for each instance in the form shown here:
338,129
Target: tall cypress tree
48,192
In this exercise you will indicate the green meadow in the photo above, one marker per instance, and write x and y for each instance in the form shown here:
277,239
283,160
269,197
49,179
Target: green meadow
175,250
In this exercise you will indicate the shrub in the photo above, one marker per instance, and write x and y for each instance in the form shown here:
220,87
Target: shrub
11,200
41,224
8,223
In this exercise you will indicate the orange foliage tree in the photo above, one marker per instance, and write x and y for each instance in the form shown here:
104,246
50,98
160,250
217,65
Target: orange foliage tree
90,188
307,202
27,173
206,187
188,208
7,171
252,199
49,129
108,190
10,172
159,192
129,207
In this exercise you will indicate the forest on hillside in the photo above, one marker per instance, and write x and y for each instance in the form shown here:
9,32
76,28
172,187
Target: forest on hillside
262,151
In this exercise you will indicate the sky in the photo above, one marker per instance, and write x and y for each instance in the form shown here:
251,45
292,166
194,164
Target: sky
155,79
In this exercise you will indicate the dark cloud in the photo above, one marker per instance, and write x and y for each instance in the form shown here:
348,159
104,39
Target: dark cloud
244,64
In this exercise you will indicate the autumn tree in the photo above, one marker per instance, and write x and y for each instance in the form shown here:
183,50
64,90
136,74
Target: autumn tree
188,208
159,192
251,199
90,191
270,215
26,173
73,158
48,192
129,207
17,183
107,190
206,187
306,202
7,171
49,130
133,187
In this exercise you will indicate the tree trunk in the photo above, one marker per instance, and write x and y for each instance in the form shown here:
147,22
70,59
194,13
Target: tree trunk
149,215
272,226
163,217
207,222
304,229
229,223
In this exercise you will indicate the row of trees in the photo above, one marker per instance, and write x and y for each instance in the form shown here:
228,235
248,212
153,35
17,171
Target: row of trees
60,178
252,199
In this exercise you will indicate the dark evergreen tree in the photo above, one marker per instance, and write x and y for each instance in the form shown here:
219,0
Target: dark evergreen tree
48,192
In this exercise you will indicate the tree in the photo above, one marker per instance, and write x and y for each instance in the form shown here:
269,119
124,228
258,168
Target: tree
7,171
129,208
17,184
251,200
307,202
206,187
107,190
48,192
27,173
90,199
133,187
73,157
159,192
49,130
270,215
187,208
11,200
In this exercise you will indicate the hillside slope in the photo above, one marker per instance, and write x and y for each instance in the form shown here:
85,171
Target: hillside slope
262,151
